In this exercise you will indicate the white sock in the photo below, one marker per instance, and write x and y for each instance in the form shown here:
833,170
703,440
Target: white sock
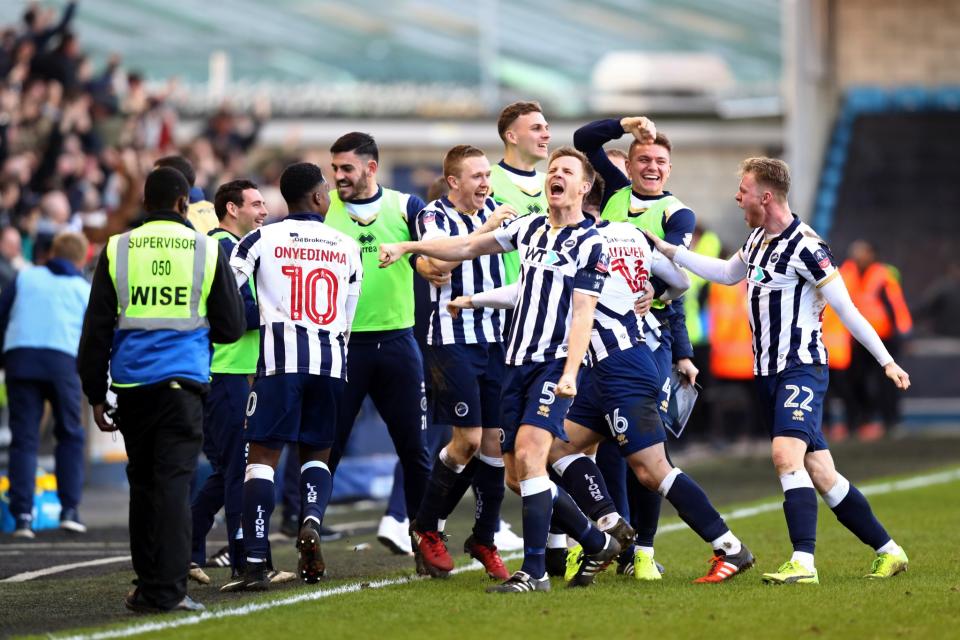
805,559
838,492
449,463
608,521
890,547
556,541
646,550
728,543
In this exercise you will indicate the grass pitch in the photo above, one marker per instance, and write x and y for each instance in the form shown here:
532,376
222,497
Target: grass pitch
922,603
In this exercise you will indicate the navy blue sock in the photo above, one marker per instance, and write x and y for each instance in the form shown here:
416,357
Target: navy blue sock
488,485
316,485
585,484
439,485
397,502
800,509
644,511
238,554
258,502
695,509
855,514
614,469
537,510
460,486
575,524
205,505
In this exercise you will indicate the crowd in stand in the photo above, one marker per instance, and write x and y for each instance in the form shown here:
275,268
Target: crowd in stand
76,140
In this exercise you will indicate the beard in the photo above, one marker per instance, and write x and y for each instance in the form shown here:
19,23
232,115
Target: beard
357,187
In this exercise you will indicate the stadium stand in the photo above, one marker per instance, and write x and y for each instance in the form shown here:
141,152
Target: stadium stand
889,175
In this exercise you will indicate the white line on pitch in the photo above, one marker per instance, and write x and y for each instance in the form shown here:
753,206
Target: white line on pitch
136,629
93,546
30,575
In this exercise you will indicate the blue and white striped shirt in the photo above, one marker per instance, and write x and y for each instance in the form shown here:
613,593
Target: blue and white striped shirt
784,275
473,326
615,325
554,262
304,271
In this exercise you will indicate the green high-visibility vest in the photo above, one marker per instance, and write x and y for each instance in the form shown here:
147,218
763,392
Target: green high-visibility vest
651,219
386,297
167,284
238,357
506,191
162,272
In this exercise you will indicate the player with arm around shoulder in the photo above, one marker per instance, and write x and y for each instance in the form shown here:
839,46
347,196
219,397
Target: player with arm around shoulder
465,365
562,272
791,275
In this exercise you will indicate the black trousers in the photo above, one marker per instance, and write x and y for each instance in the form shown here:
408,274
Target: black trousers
162,428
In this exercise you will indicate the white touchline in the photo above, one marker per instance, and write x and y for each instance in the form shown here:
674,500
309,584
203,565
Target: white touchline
30,575
146,627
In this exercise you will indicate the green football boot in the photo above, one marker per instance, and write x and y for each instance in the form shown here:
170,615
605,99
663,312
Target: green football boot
792,572
887,565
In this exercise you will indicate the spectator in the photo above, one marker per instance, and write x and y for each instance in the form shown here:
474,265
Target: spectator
878,296
41,315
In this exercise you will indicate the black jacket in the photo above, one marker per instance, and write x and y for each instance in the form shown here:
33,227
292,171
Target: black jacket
224,312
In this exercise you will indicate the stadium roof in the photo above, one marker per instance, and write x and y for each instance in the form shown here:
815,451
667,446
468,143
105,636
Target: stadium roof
528,46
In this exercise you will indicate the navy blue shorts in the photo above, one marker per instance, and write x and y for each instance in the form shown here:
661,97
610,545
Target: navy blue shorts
791,403
617,398
529,397
293,407
465,380
664,360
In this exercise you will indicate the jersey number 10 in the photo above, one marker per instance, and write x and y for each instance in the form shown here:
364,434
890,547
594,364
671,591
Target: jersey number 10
303,294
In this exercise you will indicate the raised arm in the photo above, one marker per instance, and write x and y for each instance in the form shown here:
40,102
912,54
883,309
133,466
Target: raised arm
454,249
836,294
730,271
676,279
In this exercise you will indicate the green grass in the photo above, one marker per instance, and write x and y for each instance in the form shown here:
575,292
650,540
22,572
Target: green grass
923,603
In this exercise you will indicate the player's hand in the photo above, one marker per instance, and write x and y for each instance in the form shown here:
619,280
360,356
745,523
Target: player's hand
430,273
567,385
900,377
661,245
100,417
641,306
501,214
687,370
641,127
390,252
458,303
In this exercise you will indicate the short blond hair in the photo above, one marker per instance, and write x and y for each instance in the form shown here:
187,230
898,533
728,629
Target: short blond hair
771,173
71,246
566,151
